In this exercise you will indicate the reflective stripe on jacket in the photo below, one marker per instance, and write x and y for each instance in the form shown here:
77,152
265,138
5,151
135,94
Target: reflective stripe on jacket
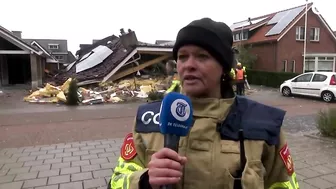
175,85
122,172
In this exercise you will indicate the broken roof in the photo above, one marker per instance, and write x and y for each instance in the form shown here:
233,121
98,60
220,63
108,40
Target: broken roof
101,69
85,48
99,61
271,26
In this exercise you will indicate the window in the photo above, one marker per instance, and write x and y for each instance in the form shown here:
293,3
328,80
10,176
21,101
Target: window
314,34
300,31
309,64
53,46
304,78
325,64
238,36
284,69
244,34
292,68
319,78
59,57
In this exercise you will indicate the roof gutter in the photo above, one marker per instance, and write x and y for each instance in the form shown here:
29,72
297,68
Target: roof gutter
21,43
257,42
41,52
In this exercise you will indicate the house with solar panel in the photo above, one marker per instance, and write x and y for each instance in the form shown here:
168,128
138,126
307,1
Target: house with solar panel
278,41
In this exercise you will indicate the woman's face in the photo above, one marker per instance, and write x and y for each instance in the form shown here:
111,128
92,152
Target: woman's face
199,72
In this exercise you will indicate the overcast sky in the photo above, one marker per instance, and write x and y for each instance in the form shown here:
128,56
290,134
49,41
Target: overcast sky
80,21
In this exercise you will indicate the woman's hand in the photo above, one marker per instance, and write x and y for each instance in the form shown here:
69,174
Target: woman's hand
165,168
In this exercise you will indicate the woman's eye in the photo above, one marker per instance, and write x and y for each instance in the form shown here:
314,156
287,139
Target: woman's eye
182,57
203,56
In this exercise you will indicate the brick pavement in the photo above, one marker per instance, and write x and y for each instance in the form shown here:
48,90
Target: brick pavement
89,164
86,164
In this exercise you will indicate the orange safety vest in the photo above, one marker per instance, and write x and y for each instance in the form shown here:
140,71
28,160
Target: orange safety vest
240,74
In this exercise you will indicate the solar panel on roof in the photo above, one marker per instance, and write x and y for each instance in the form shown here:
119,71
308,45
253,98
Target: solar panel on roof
258,20
283,23
246,23
99,54
238,25
277,17
86,55
70,66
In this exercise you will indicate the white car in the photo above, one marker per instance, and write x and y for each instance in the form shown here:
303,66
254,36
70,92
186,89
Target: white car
315,84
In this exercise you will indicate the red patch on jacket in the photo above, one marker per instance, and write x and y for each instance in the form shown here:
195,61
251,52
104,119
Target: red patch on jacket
127,150
287,159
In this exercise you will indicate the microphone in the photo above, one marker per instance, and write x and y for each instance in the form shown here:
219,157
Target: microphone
175,120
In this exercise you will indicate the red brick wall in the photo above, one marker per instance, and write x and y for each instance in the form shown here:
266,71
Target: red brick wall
266,53
289,49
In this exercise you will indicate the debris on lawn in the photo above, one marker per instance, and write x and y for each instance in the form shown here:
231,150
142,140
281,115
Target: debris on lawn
123,91
109,92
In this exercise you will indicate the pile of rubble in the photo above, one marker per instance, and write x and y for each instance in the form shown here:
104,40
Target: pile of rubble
125,90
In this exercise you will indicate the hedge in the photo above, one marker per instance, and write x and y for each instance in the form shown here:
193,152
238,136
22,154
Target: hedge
326,122
269,79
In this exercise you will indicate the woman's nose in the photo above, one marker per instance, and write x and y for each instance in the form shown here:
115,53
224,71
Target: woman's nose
190,63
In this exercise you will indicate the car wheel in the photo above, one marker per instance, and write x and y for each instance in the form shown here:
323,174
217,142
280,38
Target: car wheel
286,91
327,96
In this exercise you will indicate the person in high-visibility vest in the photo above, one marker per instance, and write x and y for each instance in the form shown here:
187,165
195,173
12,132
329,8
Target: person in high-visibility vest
240,79
246,84
172,80
233,74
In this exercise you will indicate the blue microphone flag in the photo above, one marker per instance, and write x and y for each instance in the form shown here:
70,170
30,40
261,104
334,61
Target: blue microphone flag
176,114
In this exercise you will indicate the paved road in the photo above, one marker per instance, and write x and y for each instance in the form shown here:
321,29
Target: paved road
57,160
30,124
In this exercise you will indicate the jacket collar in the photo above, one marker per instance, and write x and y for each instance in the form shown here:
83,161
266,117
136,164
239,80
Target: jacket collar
211,107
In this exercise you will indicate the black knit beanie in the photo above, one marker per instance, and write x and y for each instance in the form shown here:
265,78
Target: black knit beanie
215,37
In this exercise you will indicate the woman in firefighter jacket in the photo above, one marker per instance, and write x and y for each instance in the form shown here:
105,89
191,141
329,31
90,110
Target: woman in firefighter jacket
234,143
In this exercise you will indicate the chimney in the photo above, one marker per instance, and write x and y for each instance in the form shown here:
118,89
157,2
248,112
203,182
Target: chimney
122,31
128,39
17,33
83,46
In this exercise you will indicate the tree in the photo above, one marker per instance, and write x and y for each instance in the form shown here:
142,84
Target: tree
72,97
245,56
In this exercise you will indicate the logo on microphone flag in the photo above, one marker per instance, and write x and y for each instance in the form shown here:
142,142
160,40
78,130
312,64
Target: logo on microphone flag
180,109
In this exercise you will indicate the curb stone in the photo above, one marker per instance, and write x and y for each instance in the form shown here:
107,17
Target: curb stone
320,138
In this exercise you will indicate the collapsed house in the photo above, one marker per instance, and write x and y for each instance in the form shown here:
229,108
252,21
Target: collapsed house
108,62
114,58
